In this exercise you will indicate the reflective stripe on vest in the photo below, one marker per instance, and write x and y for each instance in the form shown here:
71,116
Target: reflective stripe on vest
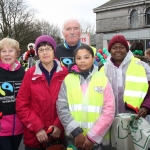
85,108
136,85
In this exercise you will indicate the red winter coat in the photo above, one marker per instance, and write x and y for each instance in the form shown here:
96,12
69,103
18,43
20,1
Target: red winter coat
36,102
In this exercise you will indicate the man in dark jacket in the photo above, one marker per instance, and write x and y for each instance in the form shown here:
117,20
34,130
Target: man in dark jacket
71,31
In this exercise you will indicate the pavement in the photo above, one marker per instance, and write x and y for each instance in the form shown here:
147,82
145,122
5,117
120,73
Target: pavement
21,147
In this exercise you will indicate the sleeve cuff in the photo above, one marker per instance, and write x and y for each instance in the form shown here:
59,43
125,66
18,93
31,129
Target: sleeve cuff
76,132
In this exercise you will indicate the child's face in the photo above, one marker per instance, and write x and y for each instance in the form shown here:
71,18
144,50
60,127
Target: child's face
84,60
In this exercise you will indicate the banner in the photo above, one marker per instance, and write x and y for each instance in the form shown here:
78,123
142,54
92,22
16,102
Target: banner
127,133
85,38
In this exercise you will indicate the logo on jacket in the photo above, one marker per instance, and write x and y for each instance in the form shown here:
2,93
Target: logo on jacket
138,62
66,61
98,89
5,86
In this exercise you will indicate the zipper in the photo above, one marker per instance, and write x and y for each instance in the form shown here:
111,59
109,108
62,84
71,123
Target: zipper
14,120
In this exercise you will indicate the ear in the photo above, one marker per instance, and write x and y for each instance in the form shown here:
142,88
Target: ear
53,54
80,32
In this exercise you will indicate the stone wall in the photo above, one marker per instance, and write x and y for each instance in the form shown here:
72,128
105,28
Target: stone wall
116,20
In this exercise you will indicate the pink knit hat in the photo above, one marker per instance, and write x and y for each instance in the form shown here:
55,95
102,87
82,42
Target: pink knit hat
45,38
118,39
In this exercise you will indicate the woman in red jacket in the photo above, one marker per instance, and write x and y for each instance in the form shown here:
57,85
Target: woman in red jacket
36,99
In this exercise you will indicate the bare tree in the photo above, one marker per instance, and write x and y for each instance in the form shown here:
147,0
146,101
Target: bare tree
13,12
50,29
87,27
17,21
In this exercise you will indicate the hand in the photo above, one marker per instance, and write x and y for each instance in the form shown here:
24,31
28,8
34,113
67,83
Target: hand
142,112
42,136
87,145
79,140
56,131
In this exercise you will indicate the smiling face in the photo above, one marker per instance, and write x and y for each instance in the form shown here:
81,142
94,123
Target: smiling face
118,52
71,32
8,55
84,60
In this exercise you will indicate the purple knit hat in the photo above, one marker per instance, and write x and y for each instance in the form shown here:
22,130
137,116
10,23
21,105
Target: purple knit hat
118,39
45,38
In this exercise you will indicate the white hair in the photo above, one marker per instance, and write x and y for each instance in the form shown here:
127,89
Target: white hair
31,44
68,20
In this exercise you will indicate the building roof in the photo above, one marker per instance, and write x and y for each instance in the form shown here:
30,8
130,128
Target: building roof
114,4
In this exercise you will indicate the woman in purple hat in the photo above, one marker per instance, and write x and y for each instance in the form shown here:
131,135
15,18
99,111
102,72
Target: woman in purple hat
36,100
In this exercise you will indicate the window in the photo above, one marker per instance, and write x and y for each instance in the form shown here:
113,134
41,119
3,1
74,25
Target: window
147,43
134,19
147,17
143,42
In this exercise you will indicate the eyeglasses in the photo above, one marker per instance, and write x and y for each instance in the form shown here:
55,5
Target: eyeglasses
48,49
7,51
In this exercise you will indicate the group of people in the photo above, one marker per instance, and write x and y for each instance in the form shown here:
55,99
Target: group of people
65,91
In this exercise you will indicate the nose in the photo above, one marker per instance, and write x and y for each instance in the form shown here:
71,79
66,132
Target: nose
82,60
7,52
71,30
118,49
44,51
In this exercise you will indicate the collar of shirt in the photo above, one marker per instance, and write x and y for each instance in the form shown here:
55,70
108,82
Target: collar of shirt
70,47
48,75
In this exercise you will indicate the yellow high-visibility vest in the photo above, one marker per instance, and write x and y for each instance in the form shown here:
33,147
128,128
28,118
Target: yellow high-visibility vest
86,108
136,84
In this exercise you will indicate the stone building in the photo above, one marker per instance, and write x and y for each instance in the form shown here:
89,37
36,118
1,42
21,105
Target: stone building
130,18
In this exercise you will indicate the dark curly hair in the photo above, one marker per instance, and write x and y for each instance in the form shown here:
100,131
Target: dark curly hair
136,46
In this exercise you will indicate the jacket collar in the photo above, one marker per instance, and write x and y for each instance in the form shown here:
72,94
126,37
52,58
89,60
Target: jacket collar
67,46
38,73
74,69
8,66
126,60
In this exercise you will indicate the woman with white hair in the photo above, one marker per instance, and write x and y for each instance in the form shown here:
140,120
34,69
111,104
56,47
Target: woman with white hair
11,76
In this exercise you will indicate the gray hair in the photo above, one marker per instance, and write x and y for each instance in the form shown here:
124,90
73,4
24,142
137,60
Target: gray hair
68,20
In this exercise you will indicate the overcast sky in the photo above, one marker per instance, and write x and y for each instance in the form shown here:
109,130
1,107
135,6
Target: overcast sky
56,11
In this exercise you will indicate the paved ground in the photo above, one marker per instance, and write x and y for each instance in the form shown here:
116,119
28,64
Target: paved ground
21,146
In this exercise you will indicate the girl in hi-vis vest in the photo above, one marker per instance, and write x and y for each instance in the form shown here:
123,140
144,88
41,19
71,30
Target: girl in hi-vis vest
86,104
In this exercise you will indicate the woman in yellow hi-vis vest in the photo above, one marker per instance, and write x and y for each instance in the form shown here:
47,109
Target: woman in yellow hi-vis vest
129,77
85,103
